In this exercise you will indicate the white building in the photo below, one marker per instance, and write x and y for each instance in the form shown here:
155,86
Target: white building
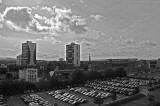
73,54
29,54
29,75
19,60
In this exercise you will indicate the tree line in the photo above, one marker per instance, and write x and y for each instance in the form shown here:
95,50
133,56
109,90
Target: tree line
78,77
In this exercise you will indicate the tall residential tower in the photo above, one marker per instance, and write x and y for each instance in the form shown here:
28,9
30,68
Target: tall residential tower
73,54
29,54
19,60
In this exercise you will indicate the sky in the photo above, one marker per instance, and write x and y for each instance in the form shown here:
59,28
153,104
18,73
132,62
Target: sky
103,28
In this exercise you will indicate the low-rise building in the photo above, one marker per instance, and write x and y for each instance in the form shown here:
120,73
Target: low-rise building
29,75
3,71
153,64
158,64
19,60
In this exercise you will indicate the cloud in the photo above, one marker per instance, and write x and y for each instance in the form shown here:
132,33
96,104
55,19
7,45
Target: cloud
7,49
124,53
127,42
148,44
51,39
81,1
84,42
1,21
62,20
7,52
138,46
20,16
137,49
0,1
48,56
97,17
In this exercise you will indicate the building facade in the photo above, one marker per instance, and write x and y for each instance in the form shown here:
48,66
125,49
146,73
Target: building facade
73,54
152,64
3,72
29,54
158,64
29,75
19,60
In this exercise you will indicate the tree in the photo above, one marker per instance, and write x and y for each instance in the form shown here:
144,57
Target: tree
120,72
78,76
151,99
156,104
109,73
98,101
94,75
55,104
114,96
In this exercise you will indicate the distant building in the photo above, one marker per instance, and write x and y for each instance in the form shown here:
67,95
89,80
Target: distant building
29,75
61,59
73,54
158,64
152,64
103,64
90,68
3,72
62,74
29,54
19,60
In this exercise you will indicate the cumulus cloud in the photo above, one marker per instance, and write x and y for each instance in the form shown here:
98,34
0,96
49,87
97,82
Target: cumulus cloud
61,20
81,1
148,44
20,16
52,39
127,42
7,49
138,49
48,56
85,42
1,21
97,17
138,46
7,52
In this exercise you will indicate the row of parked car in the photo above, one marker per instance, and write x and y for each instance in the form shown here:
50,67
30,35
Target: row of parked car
120,90
35,100
67,97
118,83
142,82
91,93
2,101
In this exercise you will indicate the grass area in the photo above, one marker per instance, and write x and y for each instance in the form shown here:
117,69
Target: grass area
15,101
144,101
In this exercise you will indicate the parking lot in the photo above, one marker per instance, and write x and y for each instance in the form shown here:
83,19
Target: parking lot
84,95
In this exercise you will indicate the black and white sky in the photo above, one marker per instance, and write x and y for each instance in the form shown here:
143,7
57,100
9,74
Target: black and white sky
104,28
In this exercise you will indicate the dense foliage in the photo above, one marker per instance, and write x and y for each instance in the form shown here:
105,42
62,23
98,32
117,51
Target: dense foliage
77,77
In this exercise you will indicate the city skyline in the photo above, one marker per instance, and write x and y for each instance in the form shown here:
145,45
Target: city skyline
105,29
